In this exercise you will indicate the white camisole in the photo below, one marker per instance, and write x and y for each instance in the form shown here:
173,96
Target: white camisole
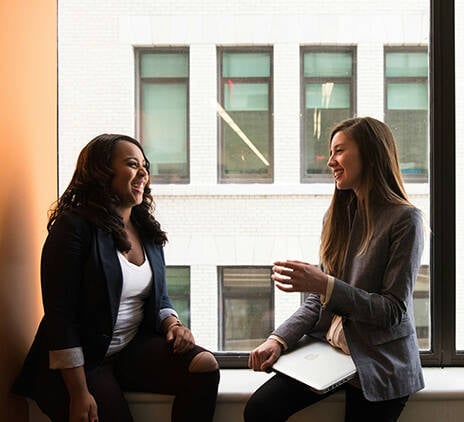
136,285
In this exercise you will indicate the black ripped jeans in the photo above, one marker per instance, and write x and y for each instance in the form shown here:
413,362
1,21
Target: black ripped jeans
147,364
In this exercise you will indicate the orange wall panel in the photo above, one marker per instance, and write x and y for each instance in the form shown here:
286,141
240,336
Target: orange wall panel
28,182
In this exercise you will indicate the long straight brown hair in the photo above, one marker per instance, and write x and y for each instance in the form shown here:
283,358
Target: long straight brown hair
382,183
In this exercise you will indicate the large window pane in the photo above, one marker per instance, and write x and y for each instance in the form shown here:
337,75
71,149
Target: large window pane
223,100
247,307
245,117
422,308
163,119
327,90
406,111
178,283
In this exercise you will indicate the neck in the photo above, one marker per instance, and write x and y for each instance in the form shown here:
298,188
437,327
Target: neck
125,215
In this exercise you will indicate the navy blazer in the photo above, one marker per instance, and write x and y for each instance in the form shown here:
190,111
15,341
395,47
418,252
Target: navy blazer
375,299
81,282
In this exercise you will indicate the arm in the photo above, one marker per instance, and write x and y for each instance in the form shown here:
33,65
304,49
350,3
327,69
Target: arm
388,305
176,333
62,267
82,406
63,262
264,356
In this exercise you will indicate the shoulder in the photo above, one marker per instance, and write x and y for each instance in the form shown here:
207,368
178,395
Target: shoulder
401,222
71,223
397,213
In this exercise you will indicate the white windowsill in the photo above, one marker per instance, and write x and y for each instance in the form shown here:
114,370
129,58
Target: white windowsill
442,400
237,385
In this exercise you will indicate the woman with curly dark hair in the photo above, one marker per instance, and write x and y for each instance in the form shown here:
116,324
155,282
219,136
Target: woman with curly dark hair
108,324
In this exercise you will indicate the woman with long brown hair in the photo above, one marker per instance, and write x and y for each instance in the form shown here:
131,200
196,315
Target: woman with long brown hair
361,297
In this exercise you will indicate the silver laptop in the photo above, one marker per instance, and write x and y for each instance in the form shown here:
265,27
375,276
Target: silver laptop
316,364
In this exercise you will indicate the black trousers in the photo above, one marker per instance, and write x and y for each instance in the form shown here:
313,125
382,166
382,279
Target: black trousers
281,397
147,364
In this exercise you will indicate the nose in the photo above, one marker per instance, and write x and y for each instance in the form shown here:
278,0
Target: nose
143,171
331,161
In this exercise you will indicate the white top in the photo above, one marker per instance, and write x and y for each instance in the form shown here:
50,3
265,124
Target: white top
137,282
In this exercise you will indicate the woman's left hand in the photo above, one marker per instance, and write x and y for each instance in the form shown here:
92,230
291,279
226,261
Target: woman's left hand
297,276
181,338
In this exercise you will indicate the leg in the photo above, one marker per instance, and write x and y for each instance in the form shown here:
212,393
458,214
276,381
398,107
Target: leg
358,409
103,385
52,396
148,364
279,398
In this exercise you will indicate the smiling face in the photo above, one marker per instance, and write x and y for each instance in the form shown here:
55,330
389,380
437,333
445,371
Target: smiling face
345,162
130,175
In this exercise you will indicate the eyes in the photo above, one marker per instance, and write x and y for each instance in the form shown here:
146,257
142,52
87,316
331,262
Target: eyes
337,150
136,165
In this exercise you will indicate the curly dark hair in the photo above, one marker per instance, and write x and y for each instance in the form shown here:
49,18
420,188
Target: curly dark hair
89,194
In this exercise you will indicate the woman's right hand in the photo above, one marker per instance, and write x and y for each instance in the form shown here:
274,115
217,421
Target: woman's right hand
82,408
264,356
82,405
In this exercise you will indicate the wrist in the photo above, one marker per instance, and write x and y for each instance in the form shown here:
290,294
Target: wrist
279,341
174,323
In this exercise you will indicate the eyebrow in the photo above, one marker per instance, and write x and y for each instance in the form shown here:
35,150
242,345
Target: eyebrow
133,157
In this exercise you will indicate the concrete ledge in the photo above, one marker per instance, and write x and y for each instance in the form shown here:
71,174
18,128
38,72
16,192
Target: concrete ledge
442,400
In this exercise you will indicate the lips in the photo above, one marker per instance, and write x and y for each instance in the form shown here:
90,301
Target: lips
139,186
337,173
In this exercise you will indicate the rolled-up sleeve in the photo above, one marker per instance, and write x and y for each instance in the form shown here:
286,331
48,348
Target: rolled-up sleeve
66,358
62,268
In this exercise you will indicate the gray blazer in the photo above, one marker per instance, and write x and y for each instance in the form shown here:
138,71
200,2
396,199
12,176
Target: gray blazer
375,299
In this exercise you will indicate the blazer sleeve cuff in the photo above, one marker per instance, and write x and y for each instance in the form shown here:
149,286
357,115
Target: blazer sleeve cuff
66,358
167,312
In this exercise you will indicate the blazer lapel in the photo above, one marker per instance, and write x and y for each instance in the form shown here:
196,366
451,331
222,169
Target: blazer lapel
155,262
111,269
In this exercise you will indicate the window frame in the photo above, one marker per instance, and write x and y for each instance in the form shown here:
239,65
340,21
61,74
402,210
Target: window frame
138,53
244,178
349,48
443,187
390,48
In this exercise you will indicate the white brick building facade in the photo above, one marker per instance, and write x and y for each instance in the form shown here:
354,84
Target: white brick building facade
211,224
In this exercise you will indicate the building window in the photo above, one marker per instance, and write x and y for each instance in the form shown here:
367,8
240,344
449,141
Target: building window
406,107
162,112
178,284
422,307
327,97
245,115
246,312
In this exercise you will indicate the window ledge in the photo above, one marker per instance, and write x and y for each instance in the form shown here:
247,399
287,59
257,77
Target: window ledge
442,399
237,385
262,189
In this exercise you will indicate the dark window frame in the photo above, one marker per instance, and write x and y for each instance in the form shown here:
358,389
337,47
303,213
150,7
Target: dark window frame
138,52
406,48
443,187
244,178
352,81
